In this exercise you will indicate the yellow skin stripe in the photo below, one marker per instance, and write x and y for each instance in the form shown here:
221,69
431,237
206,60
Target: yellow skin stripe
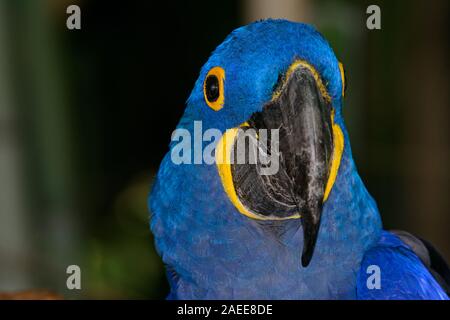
224,149
338,149
341,69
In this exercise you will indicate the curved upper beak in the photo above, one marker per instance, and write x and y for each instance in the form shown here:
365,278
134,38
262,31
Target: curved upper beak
300,113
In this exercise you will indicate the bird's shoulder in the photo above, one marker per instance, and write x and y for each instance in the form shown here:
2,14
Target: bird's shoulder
401,273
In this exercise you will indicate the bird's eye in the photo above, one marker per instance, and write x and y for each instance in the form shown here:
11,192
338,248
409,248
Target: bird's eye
343,78
213,88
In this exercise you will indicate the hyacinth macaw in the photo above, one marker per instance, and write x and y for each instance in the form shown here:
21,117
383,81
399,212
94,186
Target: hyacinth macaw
310,231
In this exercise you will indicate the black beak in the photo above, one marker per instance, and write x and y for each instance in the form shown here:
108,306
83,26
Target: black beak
303,116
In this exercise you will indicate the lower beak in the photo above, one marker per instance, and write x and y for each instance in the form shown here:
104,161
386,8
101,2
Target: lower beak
300,114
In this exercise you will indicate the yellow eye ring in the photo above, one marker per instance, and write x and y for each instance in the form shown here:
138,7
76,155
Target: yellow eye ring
213,88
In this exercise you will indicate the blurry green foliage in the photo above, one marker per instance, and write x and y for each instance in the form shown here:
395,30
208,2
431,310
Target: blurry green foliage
123,263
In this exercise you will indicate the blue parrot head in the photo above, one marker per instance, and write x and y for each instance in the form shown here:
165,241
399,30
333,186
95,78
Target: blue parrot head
223,228
253,61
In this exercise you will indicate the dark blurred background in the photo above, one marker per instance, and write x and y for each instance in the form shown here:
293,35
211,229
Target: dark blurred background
86,116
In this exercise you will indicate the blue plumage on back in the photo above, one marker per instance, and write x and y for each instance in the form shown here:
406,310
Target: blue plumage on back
213,251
